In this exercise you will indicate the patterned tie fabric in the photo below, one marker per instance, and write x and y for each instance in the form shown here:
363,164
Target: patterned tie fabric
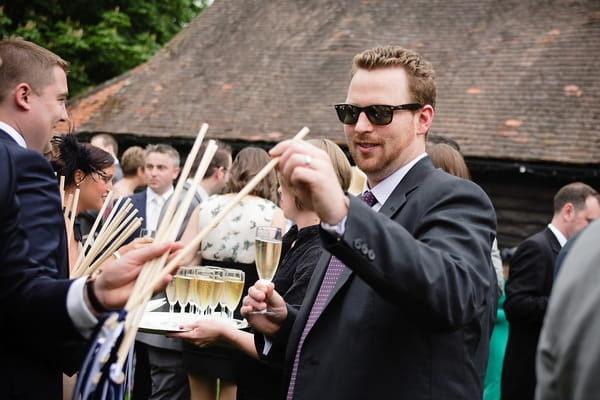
332,274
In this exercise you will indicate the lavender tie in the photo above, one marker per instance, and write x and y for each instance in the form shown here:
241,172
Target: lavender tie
334,269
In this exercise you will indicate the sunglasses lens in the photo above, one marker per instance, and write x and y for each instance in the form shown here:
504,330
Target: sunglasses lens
347,113
379,115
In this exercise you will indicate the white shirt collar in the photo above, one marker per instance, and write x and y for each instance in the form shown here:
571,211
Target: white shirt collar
151,194
559,236
12,132
383,190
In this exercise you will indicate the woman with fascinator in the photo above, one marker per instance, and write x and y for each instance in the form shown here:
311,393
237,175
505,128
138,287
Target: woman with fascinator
89,169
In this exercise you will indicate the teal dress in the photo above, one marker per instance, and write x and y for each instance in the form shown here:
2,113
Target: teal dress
493,374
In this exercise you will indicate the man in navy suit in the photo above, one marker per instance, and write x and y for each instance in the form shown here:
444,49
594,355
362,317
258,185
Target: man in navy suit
160,370
530,279
161,168
406,307
45,317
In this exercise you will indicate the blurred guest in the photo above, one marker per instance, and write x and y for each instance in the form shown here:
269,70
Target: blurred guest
301,249
89,169
214,180
230,245
132,163
169,379
159,369
529,284
568,355
108,143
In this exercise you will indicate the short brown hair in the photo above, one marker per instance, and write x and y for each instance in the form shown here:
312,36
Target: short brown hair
449,159
248,162
220,159
22,61
132,159
575,193
421,76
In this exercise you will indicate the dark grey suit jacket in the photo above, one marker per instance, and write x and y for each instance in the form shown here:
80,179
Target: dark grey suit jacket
411,315
530,279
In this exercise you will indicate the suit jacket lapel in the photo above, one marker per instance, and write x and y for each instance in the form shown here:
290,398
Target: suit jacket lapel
409,183
391,207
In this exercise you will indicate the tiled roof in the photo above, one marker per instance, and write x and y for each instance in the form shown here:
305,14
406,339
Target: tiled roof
517,80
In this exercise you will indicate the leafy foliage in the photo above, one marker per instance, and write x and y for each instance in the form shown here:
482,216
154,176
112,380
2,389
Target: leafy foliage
100,38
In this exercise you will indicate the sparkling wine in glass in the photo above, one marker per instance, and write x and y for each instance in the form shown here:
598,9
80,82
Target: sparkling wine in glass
182,287
232,290
171,298
218,276
267,247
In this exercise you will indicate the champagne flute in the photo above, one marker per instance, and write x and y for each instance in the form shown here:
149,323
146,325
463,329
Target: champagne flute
171,297
232,291
204,288
182,288
217,276
267,247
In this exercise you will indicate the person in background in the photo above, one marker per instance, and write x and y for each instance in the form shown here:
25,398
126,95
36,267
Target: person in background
214,180
568,356
448,158
301,249
89,169
529,284
159,369
231,245
34,287
406,307
169,379
108,143
132,163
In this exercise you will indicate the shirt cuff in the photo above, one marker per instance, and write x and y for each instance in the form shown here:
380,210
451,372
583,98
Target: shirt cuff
336,230
82,317
267,346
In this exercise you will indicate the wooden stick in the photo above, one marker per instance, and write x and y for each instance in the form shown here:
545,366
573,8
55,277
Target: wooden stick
109,230
61,188
182,178
92,232
73,215
118,241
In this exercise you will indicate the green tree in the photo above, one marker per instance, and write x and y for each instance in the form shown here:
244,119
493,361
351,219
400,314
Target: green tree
100,38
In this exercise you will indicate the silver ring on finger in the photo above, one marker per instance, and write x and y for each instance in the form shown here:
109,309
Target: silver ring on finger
307,160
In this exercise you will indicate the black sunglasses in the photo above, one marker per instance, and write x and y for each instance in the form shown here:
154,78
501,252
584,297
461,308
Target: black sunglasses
377,114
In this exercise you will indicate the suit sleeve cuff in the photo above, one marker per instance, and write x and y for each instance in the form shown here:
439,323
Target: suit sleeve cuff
82,317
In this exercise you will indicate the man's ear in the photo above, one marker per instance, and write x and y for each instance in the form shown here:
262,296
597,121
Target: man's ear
22,95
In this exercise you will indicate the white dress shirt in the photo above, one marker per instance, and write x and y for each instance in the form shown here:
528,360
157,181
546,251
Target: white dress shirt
154,203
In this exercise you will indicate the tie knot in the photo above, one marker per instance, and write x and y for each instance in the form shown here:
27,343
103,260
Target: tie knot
368,198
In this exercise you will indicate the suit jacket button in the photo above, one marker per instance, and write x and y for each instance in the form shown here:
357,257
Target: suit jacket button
364,249
358,243
371,255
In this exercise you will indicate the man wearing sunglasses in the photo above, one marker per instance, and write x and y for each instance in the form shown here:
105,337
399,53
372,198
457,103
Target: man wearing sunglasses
403,303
